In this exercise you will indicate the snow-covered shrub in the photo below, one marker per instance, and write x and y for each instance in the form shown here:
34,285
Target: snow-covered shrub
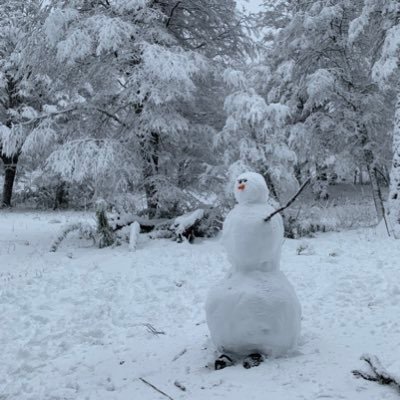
309,220
212,222
85,230
104,234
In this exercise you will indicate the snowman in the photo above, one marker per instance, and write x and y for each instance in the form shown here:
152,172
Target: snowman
253,312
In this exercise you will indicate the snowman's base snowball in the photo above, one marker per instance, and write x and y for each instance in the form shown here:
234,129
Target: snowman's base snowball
255,312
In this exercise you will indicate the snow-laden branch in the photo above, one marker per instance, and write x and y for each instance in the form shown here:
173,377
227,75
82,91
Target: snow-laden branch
46,115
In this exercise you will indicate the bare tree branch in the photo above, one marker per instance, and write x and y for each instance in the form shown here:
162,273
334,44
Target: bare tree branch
112,116
289,203
171,14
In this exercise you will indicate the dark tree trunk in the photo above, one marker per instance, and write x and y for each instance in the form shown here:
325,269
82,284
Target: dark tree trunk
10,170
369,159
394,193
150,170
61,198
10,162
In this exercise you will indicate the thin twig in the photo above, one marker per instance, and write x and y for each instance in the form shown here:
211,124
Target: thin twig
156,388
153,330
110,115
180,354
180,386
289,203
172,13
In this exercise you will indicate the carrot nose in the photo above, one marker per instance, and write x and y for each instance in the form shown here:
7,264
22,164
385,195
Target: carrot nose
241,186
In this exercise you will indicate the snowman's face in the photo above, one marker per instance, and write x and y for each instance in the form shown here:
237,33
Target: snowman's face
250,187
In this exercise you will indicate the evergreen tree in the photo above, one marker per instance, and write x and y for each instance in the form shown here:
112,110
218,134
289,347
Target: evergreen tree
139,69
23,94
335,107
382,18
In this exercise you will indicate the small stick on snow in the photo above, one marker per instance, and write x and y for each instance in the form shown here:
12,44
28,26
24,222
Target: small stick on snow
180,386
153,330
289,203
156,388
179,354
379,375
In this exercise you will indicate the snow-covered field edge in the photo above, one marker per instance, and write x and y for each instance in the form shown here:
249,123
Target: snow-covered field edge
84,323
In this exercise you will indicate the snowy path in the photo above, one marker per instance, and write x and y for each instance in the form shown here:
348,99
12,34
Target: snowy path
73,323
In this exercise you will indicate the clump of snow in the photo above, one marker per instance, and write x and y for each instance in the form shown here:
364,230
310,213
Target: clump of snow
319,86
111,33
134,236
56,21
183,222
388,62
77,44
234,78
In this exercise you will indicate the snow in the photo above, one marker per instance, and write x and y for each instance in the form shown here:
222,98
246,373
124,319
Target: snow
245,232
251,6
253,312
112,33
134,236
183,222
76,46
82,323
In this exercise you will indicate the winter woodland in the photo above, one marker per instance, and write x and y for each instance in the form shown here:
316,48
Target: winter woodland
130,132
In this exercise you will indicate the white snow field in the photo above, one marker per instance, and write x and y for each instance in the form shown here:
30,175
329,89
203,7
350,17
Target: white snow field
82,323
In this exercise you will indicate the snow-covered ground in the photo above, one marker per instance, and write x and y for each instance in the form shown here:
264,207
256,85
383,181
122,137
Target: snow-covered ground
79,323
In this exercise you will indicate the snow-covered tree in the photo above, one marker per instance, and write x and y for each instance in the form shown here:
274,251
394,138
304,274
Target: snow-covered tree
382,18
22,94
325,80
139,69
254,136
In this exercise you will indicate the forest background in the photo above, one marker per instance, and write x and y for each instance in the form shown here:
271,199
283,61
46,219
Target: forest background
155,106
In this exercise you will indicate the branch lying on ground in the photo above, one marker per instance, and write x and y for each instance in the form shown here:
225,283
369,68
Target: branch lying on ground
85,230
153,330
289,203
156,388
180,354
379,373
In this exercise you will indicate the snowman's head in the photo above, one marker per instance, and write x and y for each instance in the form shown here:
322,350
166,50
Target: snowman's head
250,187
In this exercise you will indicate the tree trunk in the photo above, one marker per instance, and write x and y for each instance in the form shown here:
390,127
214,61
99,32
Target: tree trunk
10,169
61,198
394,193
150,170
370,164
376,193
